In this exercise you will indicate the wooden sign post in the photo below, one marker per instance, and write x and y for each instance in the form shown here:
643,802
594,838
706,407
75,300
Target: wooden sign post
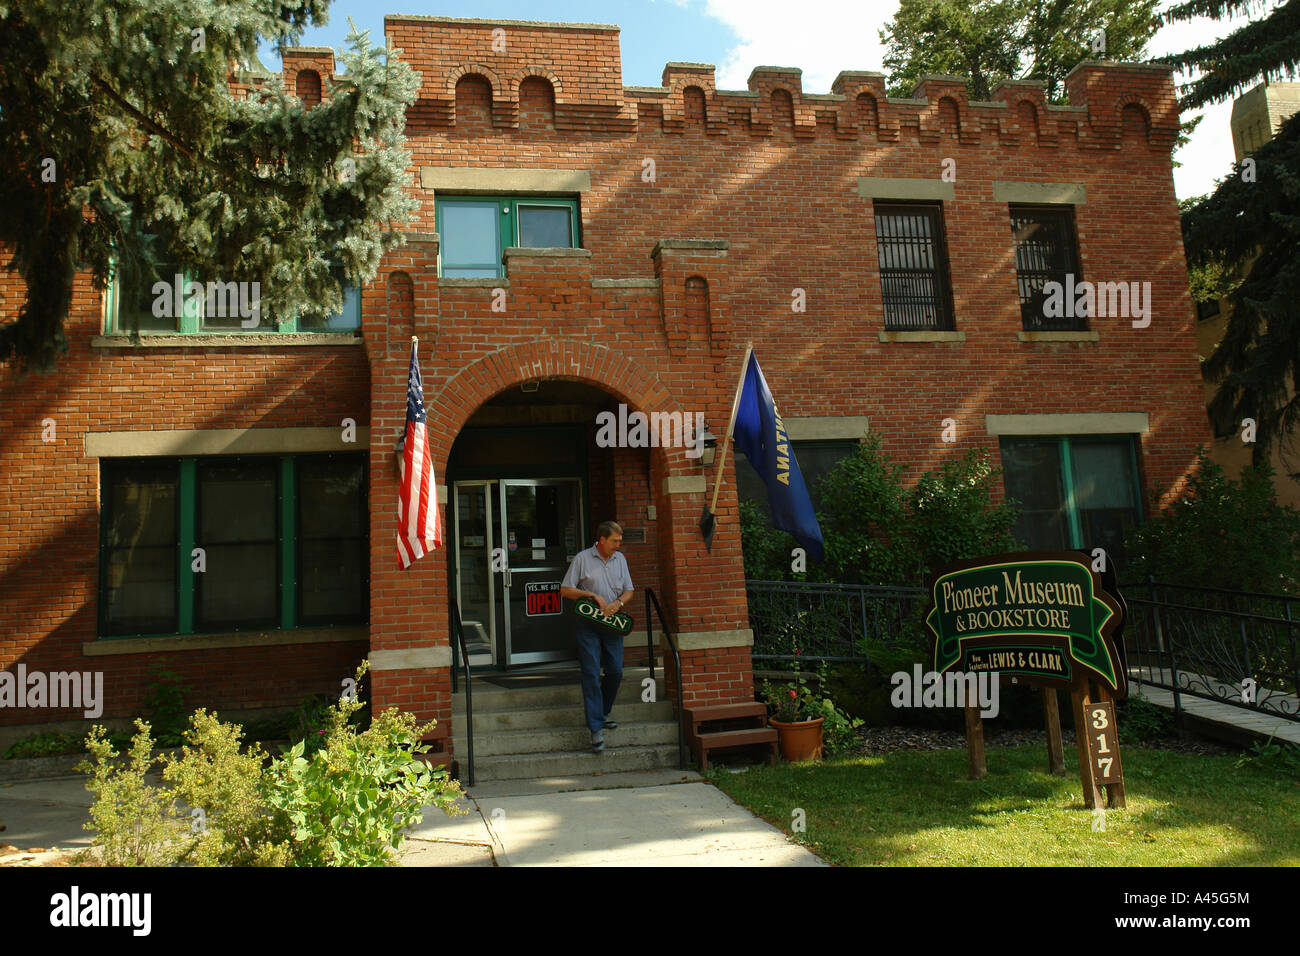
1045,619
1052,721
1097,733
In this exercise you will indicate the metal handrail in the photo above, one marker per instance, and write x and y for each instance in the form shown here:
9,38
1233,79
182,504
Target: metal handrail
469,689
652,601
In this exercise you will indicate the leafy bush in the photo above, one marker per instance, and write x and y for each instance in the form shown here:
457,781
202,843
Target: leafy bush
236,826
952,515
879,531
1281,758
43,745
164,705
348,804
309,723
1221,533
135,824
839,729
766,550
864,521
356,795
1140,720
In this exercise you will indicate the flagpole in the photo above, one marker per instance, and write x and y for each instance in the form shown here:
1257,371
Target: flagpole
731,425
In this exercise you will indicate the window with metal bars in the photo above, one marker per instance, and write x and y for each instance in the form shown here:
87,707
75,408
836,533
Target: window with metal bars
1045,252
913,267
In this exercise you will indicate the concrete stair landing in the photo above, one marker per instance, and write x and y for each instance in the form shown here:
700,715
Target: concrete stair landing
535,728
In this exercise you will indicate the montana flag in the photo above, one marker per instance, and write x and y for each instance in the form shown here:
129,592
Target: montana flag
419,527
759,432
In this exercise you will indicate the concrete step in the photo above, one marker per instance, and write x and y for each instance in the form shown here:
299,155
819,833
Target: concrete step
559,716
616,758
559,739
491,698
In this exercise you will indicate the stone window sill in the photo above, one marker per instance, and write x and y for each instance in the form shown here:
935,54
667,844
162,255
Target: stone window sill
166,340
109,646
923,336
1073,336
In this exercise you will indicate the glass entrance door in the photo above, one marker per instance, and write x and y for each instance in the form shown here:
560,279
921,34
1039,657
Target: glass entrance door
541,530
478,589
514,540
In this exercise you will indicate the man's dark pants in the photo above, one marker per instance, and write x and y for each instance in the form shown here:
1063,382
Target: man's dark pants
599,647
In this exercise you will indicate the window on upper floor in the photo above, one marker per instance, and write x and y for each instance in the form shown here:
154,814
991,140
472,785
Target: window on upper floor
474,232
282,539
173,305
1077,492
913,267
1046,252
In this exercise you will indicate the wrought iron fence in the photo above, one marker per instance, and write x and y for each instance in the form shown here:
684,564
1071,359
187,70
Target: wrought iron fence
1202,642
825,621
1237,648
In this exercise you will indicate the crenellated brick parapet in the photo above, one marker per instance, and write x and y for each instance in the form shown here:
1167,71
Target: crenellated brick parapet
581,66
579,61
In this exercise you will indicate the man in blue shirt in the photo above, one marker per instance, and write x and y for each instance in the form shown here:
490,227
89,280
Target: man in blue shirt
599,573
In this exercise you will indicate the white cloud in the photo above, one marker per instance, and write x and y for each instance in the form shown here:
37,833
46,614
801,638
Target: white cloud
821,37
828,36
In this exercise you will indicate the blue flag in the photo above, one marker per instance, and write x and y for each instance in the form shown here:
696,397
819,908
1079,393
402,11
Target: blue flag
761,435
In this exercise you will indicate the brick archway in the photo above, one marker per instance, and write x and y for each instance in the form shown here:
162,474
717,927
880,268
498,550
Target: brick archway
571,360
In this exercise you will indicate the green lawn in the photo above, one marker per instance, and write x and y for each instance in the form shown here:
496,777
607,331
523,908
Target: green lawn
919,809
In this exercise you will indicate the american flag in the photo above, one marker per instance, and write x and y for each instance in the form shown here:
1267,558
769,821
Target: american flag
419,527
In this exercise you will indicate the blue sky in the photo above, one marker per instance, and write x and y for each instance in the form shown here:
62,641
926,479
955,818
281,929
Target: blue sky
736,35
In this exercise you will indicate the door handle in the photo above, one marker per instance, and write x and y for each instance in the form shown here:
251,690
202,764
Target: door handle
506,572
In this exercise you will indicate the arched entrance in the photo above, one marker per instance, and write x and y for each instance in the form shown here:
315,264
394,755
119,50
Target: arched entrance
527,484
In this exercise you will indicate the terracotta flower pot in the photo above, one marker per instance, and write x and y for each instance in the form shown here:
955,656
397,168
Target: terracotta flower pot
801,740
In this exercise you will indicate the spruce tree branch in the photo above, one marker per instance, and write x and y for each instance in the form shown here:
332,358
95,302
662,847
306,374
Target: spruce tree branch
151,126
146,122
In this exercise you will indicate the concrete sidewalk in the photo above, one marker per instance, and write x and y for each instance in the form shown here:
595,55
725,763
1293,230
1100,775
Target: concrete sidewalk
646,818
44,815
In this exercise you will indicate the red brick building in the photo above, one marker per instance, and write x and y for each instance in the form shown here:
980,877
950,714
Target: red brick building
582,244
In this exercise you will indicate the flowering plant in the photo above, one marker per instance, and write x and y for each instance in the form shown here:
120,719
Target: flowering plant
795,700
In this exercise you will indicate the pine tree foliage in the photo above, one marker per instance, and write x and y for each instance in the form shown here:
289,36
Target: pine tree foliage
1263,49
994,40
1248,229
1250,226
124,145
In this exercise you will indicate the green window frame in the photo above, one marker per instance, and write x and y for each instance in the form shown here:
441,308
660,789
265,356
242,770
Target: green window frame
190,321
1062,453
177,485
507,227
